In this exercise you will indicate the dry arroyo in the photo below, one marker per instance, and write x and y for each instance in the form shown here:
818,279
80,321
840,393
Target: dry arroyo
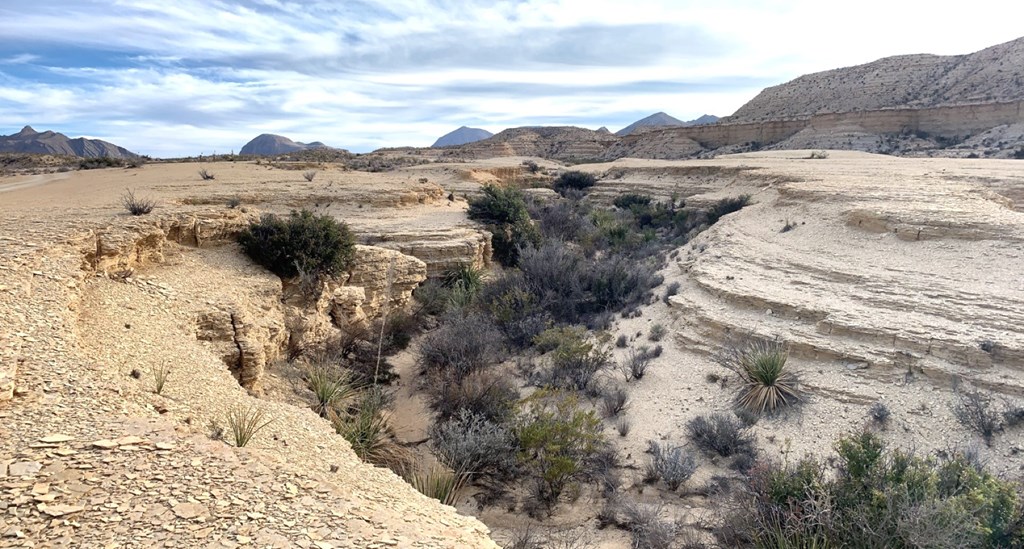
889,278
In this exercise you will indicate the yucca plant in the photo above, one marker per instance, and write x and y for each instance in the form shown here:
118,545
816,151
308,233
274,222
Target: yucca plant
437,482
245,422
369,433
330,386
767,385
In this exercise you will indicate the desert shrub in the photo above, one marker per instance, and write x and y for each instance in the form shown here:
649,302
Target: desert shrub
234,202
719,434
653,353
1019,153
245,422
669,464
818,155
622,341
574,359
646,527
309,175
303,242
976,410
462,345
628,200
488,393
672,290
879,413
135,205
432,298
531,166
206,175
100,162
878,498
565,221
614,401
574,181
1013,414
465,276
636,364
557,439
767,385
471,443
617,283
726,206
515,309
657,332
504,211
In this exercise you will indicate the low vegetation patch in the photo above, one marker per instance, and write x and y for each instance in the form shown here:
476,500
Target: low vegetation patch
302,242
768,386
137,205
875,497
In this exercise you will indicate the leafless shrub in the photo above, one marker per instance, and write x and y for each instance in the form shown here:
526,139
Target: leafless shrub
206,175
669,464
614,401
309,175
136,206
974,409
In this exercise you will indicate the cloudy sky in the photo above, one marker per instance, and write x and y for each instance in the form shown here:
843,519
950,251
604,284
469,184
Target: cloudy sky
180,77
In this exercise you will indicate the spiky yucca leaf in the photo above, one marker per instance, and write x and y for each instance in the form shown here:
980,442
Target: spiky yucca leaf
437,482
330,386
767,385
245,422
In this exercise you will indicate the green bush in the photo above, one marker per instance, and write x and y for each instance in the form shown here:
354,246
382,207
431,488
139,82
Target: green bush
504,211
628,200
574,359
876,498
557,441
301,243
574,180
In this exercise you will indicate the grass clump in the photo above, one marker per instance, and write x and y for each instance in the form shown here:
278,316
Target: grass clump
245,422
136,205
369,433
302,242
160,374
767,385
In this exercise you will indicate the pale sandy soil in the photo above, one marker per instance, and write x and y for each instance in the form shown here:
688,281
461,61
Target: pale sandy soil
895,265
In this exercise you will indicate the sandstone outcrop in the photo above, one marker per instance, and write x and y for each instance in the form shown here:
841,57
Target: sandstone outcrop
440,250
558,142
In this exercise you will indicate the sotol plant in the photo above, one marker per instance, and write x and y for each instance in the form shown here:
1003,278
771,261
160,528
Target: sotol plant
767,385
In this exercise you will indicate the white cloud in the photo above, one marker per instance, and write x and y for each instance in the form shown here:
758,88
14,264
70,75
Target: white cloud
171,78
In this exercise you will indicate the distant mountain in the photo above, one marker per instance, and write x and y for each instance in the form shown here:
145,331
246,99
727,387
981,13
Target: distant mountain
462,136
994,74
269,144
661,120
30,141
603,129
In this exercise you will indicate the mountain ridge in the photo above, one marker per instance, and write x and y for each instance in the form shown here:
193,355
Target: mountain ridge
30,141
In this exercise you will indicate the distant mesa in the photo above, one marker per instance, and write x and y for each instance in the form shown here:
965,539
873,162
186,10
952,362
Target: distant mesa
49,142
661,120
269,144
462,136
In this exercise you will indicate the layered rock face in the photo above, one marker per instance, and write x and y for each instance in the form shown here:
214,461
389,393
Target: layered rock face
916,81
440,250
250,334
560,143
879,270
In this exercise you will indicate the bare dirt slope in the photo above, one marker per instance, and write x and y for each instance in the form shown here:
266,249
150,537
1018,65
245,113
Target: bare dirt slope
91,456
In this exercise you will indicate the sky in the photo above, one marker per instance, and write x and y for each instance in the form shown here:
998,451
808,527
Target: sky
184,77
